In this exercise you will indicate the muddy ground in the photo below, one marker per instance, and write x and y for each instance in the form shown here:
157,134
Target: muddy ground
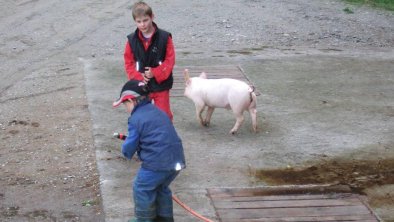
361,175
48,134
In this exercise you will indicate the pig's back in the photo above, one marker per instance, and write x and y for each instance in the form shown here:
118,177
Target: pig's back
220,92
226,85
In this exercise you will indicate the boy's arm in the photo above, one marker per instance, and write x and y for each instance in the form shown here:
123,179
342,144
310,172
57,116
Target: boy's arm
129,64
163,71
130,145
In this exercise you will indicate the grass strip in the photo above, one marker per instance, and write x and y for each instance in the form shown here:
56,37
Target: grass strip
384,4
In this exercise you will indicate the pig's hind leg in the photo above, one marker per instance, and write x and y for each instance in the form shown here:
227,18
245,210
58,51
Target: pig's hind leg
240,119
253,115
253,112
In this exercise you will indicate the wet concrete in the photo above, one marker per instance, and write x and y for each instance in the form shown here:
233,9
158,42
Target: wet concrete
312,108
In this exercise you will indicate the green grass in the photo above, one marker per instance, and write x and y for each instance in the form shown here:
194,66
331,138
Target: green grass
88,203
385,4
348,10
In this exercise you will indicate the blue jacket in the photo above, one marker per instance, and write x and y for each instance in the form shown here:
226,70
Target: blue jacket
152,135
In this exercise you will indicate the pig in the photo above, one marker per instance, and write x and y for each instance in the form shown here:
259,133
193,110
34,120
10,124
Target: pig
221,93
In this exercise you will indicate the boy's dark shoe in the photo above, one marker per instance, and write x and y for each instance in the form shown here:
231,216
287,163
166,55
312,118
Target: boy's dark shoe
163,219
140,220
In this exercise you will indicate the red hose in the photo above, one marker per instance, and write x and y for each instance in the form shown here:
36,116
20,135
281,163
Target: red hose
190,209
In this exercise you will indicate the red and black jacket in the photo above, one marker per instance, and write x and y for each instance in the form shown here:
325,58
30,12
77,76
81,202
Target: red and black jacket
152,56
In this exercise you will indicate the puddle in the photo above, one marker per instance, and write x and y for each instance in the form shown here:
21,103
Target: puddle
331,50
190,53
260,48
242,52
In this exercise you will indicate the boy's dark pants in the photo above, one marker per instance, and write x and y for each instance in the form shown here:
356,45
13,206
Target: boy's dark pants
152,195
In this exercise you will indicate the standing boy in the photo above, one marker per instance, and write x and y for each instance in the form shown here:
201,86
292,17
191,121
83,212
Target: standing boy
149,56
152,136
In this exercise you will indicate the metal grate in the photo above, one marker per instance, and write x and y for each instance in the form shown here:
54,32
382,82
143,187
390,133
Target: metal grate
213,72
290,203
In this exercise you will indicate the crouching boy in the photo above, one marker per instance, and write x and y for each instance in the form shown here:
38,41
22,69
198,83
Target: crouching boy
152,136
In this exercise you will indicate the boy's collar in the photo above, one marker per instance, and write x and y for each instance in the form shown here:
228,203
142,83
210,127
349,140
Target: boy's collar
141,36
140,103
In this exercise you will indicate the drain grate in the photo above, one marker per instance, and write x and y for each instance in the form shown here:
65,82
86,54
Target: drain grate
213,72
289,203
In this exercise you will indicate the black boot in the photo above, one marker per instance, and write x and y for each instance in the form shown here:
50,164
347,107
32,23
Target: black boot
163,219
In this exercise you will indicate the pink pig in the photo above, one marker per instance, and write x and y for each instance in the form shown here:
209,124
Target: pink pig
221,93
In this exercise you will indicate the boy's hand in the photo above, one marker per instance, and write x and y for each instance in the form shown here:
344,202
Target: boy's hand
147,75
136,159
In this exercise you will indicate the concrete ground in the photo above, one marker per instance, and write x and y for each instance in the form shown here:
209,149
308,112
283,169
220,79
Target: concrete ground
313,108
326,78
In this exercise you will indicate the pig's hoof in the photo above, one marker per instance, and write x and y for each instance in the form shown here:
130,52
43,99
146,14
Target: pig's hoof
233,132
255,129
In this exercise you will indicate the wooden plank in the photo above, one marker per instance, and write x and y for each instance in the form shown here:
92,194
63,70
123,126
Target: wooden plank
286,203
359,218
204,68
280,190
289,203
292,212
231,76
286,197
213,75
227,75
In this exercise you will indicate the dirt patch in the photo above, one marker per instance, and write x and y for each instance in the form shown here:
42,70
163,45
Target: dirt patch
357,174
47,161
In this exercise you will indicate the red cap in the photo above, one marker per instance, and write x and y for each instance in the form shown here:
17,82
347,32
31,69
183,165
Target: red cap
132,89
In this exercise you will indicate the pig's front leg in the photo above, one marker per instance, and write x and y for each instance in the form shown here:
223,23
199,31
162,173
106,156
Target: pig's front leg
209,115
238,123
199,110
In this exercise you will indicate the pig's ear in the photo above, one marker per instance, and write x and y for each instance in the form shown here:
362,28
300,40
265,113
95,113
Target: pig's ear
187,77
203,75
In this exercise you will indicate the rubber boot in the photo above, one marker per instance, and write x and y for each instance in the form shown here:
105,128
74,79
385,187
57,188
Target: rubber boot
163,219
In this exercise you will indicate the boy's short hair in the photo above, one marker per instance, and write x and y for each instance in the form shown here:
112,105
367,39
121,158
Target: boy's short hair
140,8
